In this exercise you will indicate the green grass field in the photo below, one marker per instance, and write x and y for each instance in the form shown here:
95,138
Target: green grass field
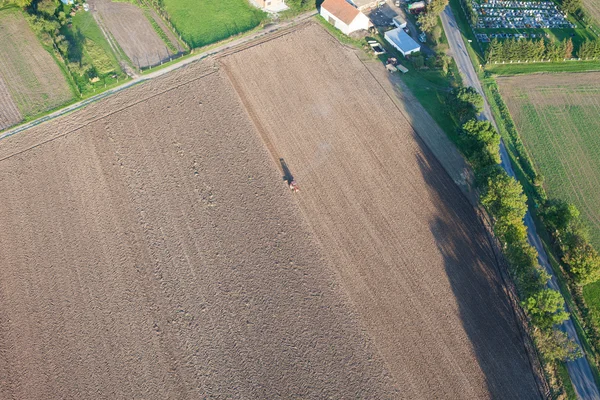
557,118
202,22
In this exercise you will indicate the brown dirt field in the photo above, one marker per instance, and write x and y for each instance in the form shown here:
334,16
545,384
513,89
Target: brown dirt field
9,113
150,250
132,31
34,80
407,246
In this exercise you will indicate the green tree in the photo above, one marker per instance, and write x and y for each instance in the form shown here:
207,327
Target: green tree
466,103
47,7
546,308
559,215
437,6
481,143
503,197
556,345
427,21
584,263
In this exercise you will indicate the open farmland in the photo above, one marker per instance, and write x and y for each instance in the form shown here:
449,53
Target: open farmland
407,246
132,31
9,113
557,117
593,6
28,73
150,250
204,22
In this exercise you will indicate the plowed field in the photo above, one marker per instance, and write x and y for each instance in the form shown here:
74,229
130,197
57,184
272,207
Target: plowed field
149,251
9,113
150,248
34,80
133,32
406,244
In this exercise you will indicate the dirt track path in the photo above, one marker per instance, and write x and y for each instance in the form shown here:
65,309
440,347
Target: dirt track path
407,245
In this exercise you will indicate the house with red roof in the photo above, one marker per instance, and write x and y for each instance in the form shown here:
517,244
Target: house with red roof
344,16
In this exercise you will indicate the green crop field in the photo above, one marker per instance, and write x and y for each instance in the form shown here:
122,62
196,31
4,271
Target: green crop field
202,22
557,117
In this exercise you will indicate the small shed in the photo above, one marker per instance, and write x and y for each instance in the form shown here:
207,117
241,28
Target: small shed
399,22
344,16
402,42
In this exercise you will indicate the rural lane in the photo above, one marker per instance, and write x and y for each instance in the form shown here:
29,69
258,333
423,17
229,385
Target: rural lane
165,70
579,370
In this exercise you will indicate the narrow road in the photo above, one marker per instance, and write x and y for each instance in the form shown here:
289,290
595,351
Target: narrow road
579,370
159,72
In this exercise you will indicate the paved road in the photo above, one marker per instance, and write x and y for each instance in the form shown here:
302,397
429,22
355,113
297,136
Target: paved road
159,72
579,370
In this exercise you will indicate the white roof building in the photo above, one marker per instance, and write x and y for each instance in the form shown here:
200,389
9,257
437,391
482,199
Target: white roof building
402,42
344,16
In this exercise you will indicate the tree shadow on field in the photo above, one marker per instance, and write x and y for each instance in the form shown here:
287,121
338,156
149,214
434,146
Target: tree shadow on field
485,311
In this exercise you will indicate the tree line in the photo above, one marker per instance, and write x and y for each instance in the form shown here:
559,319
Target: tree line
529,50
503,198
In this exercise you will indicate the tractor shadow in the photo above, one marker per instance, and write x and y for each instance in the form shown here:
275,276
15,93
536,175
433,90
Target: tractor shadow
287,175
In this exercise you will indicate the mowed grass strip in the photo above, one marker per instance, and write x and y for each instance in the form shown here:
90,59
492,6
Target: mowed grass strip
202,22
34,80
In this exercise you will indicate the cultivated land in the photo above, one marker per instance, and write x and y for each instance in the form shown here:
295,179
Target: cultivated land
133,32
150,250
9,113
30,79
593,6
204,22
557,117
406,244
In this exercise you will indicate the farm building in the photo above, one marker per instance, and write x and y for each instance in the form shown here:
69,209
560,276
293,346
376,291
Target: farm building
270,5
402,42
399,22
344,16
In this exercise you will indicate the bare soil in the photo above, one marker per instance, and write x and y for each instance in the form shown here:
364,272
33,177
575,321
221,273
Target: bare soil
149,251
27,72
133,32
150,248
407,246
